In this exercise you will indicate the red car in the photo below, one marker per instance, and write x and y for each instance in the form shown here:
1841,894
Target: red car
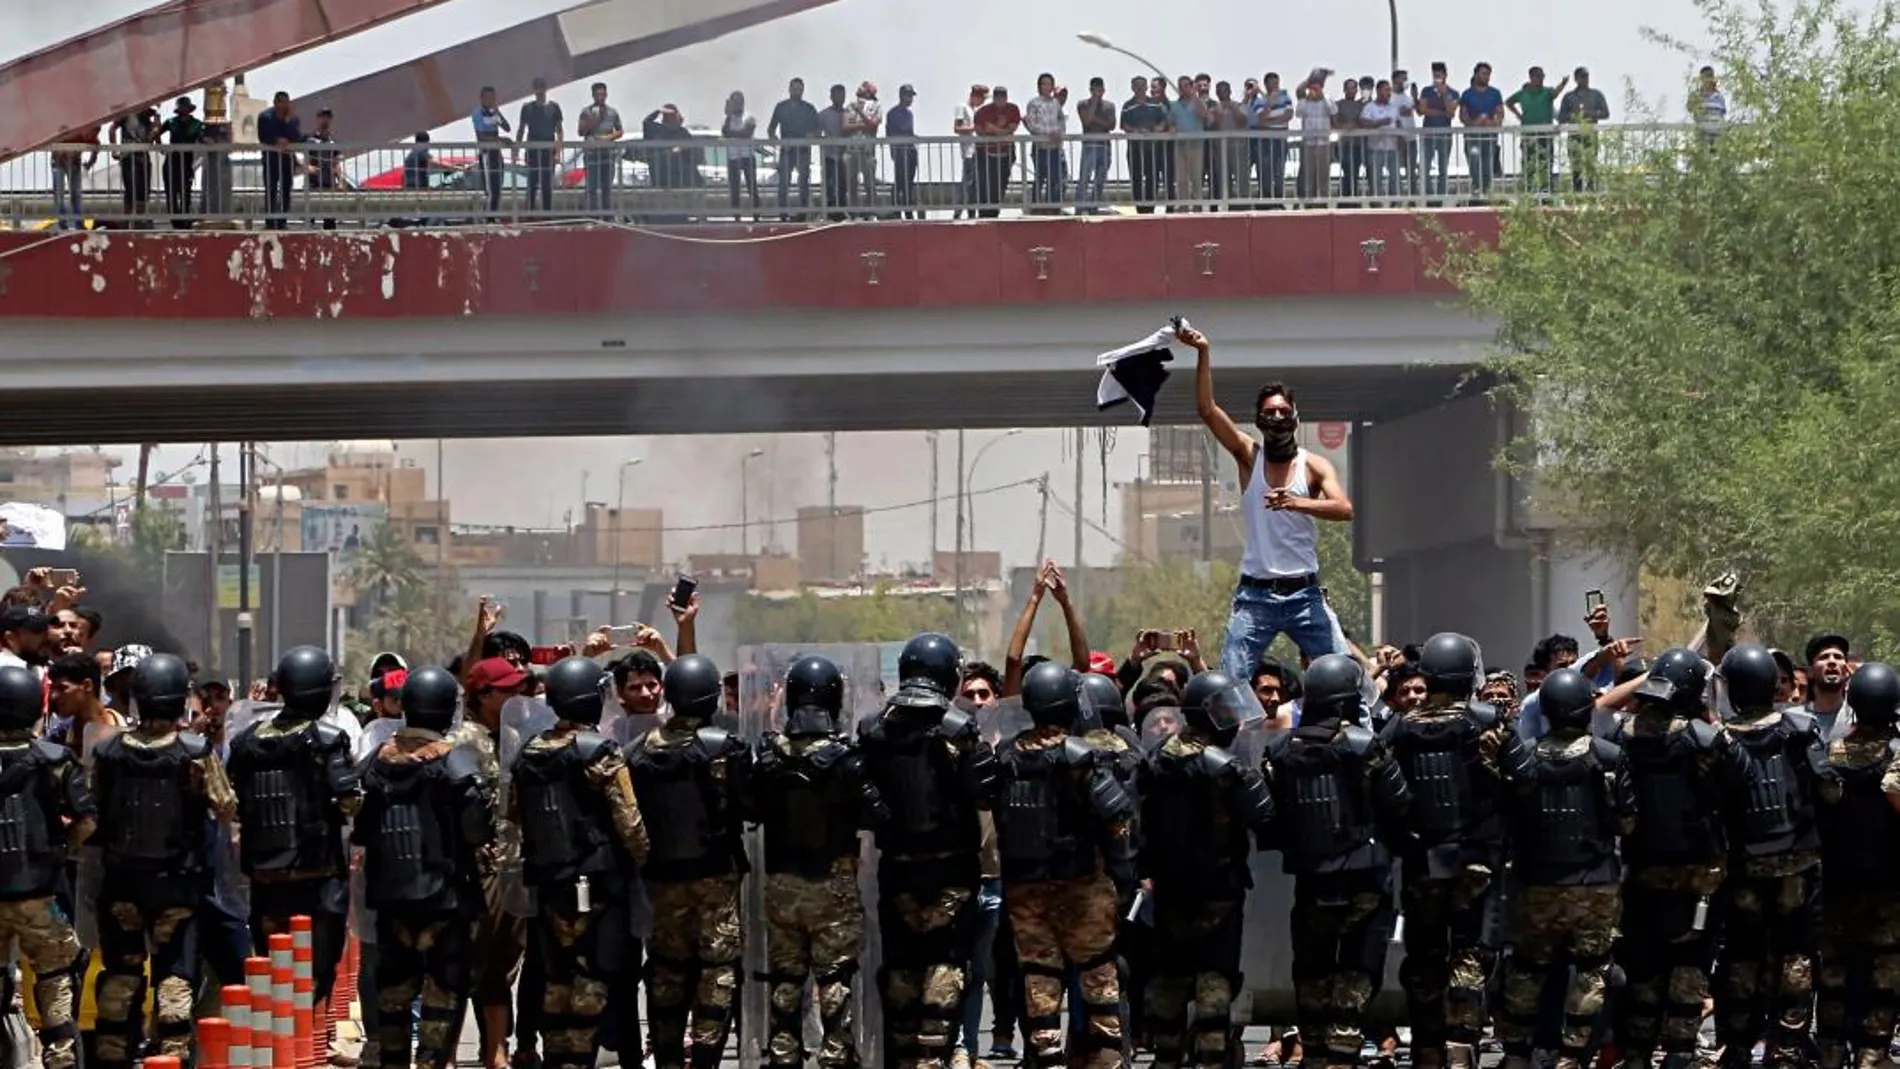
450,171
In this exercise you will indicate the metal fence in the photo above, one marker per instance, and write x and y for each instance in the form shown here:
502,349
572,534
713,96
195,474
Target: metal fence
704,180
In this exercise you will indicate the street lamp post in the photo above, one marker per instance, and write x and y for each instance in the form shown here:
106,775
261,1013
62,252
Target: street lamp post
971,476
745,499
966,513
1100,41
620,523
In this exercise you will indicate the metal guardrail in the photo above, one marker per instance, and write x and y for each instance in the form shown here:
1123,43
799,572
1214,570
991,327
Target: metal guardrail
704,180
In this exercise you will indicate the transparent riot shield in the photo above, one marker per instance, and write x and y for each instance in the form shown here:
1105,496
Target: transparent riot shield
1003,721
761,709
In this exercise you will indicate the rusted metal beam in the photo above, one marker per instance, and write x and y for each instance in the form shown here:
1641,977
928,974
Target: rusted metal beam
88,80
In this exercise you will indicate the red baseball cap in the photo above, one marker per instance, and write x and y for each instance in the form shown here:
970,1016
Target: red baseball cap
1102,662
495,673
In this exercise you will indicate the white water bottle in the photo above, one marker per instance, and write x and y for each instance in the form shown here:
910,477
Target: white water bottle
583,896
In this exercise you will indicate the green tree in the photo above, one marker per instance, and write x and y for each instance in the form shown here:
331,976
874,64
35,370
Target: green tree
1707,353
880,616
399,607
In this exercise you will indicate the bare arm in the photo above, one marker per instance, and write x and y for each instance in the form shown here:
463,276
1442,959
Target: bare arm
486,617
1078,638
1328,500
687,640
1019,639
1226,431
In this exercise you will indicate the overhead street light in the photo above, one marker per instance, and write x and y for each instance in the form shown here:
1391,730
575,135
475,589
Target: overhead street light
1100,41
745,500
620,523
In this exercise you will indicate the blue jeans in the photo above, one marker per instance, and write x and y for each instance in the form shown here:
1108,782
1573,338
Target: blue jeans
1437,163
1088,184
989,913
1260,616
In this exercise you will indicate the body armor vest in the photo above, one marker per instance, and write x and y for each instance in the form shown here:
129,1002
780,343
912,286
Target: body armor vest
1776,812
1324,802
32,838
148,820
1677,809
807,806
288,819
919,781
410,854
566,829
1449,804
1042,829
1566,828
1860,834
1192,836
682,807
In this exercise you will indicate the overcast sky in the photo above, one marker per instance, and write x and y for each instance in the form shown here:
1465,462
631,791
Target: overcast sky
941,48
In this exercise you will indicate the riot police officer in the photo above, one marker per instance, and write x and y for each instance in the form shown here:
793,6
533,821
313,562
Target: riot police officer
1448,751
1065,840
154,785
1569,798
1202,808
1860,853
1674,859
933,771
691,779
296,786
581,837
45,812
811,797
1771,897
425,815
1343,806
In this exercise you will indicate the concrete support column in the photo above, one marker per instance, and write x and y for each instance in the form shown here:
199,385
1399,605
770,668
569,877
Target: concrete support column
1567,571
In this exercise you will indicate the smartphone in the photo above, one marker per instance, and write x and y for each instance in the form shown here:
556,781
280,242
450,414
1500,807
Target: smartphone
1592,601
548,654
683,591
63,577
1166,640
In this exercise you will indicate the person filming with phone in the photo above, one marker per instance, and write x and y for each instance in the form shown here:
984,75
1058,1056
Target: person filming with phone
1286,491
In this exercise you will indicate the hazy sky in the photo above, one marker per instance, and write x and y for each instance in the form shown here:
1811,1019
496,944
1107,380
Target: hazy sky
941,48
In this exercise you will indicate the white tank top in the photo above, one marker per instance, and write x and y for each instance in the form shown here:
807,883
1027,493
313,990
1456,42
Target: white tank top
1278,543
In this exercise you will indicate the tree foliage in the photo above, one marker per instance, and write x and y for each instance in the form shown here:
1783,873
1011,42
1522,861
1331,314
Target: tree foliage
399,606
1707,351
880,616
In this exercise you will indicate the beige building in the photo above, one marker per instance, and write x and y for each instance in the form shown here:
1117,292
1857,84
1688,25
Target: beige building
69,480
633,537
831,546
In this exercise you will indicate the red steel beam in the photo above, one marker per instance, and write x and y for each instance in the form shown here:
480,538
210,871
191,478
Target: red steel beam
438,88
176,47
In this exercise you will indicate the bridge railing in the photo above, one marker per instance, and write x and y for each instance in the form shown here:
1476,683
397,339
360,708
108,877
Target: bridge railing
704,180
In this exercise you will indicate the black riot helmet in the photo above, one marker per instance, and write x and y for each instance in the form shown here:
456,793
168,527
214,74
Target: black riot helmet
1052,695
160,685
814,696
1335,688
22,699
429,698
1752,677
693,687
576,690
1102,704
930,662
1567,700
1207,707
306,680
1450,664
1873,692
1678,678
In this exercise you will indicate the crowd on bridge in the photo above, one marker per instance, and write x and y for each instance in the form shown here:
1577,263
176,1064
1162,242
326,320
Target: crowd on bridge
1590,869
1192,144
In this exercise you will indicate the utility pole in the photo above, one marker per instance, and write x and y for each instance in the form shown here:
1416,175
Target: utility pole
1207,499
277,578
958,554
1075,578
213,551
247,471
441,537
831,502
930,559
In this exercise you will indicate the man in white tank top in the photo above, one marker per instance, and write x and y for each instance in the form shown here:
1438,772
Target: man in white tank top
1287,490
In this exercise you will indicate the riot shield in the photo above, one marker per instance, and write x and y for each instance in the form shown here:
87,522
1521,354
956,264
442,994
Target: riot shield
1003,721
761,676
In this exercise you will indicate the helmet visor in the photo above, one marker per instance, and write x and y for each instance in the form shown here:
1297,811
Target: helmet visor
1234,707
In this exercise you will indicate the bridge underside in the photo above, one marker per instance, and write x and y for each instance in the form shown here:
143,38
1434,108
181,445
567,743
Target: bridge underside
532,407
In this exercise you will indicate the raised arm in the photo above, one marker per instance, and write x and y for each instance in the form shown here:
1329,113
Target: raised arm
1236,441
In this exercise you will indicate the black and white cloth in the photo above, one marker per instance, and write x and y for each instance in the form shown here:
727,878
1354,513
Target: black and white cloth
1134,373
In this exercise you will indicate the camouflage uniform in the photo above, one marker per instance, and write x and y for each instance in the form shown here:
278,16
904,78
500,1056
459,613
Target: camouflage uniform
1666,944
1063,921
1570,799
148,915
1771,903
815,928
33,915
1449,877
581,951
693,953
1860,903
